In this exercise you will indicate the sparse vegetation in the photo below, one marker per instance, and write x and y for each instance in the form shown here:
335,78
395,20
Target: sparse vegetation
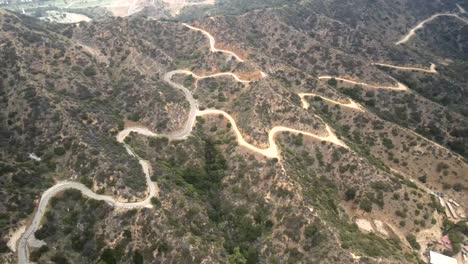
67,91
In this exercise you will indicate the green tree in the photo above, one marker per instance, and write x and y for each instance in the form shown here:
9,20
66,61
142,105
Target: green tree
89,71
350,194
458,187
108,257
237,257
137,257
332,82
412,240
59,151
366,205
155,202
423,179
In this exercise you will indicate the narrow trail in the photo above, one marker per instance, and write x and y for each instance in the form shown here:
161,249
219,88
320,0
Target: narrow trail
421,24
432,68
399,87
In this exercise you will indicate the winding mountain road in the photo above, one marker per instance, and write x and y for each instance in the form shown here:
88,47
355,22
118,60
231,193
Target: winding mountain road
28,235
198,77
352,104
271,152
213,43
399,87
421,24
432,68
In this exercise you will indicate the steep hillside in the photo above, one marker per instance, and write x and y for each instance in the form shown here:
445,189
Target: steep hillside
255,132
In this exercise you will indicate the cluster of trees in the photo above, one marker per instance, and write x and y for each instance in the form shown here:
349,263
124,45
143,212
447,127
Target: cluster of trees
207,178
61,223
456,233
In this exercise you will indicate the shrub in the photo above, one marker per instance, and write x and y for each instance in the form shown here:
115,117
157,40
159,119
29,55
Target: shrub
163,247
422,179
412,240
155,202
87,181
299,140
158,141
446,186
366,205
312,233
400,214
237,257
388,143
332,82
137,257
59,258
59,151
188,81
89,71
134,117
108,257
458,187
350,194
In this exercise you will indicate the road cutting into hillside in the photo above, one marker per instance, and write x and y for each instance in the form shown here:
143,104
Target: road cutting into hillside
213,42
305,104
432,68
399,87
421,24
221,74
356,106
272,151
28,238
